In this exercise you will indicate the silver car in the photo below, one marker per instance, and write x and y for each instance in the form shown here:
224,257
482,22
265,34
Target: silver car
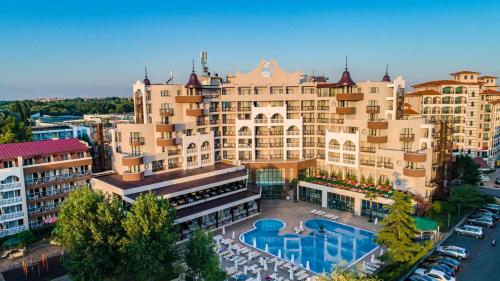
470,230
453,251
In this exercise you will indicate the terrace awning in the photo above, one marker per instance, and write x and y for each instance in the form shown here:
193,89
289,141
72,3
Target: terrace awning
425,224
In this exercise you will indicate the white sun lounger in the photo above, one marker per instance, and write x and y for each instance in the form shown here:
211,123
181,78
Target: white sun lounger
313,211
273,260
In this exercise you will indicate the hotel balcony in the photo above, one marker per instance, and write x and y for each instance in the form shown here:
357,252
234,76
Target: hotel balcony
12,200
350,97
132,160
133,176
414,173
293,108
365,162
346,110
164,112
336,121
373,109
165,142
367,149
11,231
4,187
188,99
11,216
165,128
376,139
43,209
334,159
407,137
378,124
134,141
415,157
195,112
61,177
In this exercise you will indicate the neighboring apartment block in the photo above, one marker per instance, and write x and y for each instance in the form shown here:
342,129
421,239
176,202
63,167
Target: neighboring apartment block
469,103
35,177
48,132
281,126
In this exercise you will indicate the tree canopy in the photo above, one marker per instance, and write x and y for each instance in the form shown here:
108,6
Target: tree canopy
150,237
466,170
399,230
201,259
468,197
89,228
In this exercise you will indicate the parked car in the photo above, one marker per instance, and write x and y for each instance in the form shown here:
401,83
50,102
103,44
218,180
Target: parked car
451,262
493,207
469,230
488,213
453,251
418,277
435,274
482,221
497,180
438,266
485,179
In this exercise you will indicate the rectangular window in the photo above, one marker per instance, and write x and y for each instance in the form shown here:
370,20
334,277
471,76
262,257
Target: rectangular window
165,93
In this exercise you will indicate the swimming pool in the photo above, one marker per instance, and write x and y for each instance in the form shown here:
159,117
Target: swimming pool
322,250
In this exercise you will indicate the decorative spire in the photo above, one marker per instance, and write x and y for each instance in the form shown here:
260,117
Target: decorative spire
193,82
346,63
146,80
386,78
193,65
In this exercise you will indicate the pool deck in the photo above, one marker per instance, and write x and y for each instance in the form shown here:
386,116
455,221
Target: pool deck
292,213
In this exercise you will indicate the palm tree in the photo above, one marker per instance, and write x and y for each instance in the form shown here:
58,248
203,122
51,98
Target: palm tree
370,196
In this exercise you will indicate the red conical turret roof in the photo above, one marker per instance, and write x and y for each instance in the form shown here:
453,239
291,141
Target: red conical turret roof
345,80
193,82
387,78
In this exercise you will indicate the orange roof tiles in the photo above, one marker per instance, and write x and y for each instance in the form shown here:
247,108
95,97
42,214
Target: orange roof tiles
424,93
409,111
445,82
487,76
465,71
490,92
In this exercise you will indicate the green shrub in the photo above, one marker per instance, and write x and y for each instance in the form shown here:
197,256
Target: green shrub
27,238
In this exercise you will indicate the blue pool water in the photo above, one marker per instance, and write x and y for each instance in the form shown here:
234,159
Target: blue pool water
338,243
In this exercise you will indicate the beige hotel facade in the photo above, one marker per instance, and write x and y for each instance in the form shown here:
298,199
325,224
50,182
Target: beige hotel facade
277,126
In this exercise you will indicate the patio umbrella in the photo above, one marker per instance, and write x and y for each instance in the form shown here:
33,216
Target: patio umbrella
364,266
266,248
245,270
307,266
249,255
275,266
265,265
254,244
292,260
381,251
233,235
236,264
261,261
279,253
372,259
301,227
291,274
238,250
223,230
258,278
376,221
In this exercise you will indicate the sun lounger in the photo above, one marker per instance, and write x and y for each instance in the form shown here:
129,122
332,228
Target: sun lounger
243,262
313,211
295,268
273,260
257,270
372,265
280,278
280,263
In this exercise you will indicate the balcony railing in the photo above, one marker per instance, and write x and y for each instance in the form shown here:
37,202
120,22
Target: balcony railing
349,161
406,137
61,177
10,186
11,216
292,144
334,159
12,200
244,133
191,150
349,148
42,209
367,149
293,133
334,147
206,161
48,193
11,231
276,120
136,140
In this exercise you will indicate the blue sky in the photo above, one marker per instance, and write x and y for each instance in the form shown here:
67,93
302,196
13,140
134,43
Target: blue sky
99,48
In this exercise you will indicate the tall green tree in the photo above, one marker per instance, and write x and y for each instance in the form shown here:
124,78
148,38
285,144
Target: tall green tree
399,230
89,228
201,259
466,170
468,197
149,243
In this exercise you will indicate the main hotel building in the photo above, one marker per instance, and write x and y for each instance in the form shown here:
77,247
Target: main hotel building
215,145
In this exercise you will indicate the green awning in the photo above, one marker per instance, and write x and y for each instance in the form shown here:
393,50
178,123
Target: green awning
11,242
425,224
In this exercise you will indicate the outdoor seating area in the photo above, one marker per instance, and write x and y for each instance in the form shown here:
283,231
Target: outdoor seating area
381,190
243,263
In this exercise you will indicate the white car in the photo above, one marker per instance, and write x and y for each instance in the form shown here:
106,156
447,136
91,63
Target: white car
435,274
453,251
470,230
